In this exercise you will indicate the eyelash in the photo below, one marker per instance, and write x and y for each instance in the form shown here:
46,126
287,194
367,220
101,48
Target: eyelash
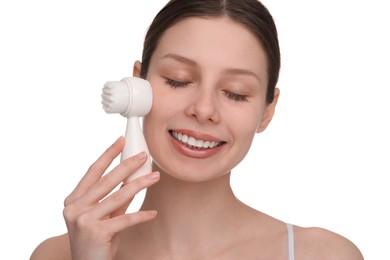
230,95
236,97
176,84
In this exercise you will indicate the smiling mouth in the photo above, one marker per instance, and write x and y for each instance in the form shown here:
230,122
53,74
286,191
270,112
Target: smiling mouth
193,143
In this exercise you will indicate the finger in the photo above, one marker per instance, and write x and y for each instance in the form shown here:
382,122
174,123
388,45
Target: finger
107,183
114,225
119,198
122,210
96,170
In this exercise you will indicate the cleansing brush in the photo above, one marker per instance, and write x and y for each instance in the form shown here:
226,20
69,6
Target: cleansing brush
132,98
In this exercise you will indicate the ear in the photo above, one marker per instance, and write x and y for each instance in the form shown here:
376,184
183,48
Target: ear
268,112
137,69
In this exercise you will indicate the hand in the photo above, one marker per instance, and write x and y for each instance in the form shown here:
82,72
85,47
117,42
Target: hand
92,217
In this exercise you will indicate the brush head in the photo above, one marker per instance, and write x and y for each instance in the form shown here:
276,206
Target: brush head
128,97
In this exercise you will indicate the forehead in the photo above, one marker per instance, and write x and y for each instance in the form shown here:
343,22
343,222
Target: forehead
213,42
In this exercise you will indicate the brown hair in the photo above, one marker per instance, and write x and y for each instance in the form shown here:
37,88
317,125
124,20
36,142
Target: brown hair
250,13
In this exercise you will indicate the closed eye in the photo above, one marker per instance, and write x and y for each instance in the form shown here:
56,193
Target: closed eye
176,84
236,97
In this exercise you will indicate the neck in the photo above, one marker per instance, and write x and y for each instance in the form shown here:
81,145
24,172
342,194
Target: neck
189,213
171,196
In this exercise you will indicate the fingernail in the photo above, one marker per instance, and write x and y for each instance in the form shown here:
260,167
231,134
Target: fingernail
152,212
140,156
153,175
118,140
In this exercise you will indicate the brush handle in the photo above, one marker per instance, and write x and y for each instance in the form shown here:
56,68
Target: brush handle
135,143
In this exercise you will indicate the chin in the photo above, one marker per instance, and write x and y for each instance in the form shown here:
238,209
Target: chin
187,174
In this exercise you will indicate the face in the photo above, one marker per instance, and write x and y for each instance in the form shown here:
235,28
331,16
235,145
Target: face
209,84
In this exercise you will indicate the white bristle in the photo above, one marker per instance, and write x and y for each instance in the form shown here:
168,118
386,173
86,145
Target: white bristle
115,97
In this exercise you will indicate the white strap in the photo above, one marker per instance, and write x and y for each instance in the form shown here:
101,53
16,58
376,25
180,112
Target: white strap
290,234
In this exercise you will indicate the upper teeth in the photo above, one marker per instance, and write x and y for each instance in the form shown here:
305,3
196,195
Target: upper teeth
191,141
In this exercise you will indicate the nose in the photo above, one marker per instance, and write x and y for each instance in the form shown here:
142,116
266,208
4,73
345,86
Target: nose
204,107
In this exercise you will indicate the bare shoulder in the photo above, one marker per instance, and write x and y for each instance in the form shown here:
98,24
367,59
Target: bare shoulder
55,248
319,243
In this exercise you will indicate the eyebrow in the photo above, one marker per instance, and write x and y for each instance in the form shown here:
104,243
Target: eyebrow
233,71
229,71
181,59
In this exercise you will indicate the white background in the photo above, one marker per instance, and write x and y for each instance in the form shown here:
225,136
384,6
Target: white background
322,162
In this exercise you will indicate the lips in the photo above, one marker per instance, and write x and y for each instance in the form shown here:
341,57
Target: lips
195,142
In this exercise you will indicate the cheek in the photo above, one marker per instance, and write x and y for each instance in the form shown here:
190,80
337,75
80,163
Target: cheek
163,107
244,127
153,129
244,121
162,96
245,134
153,121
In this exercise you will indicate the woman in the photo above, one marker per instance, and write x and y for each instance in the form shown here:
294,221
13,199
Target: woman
214,66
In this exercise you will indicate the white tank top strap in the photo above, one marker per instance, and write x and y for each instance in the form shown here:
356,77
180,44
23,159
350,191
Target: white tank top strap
290,236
